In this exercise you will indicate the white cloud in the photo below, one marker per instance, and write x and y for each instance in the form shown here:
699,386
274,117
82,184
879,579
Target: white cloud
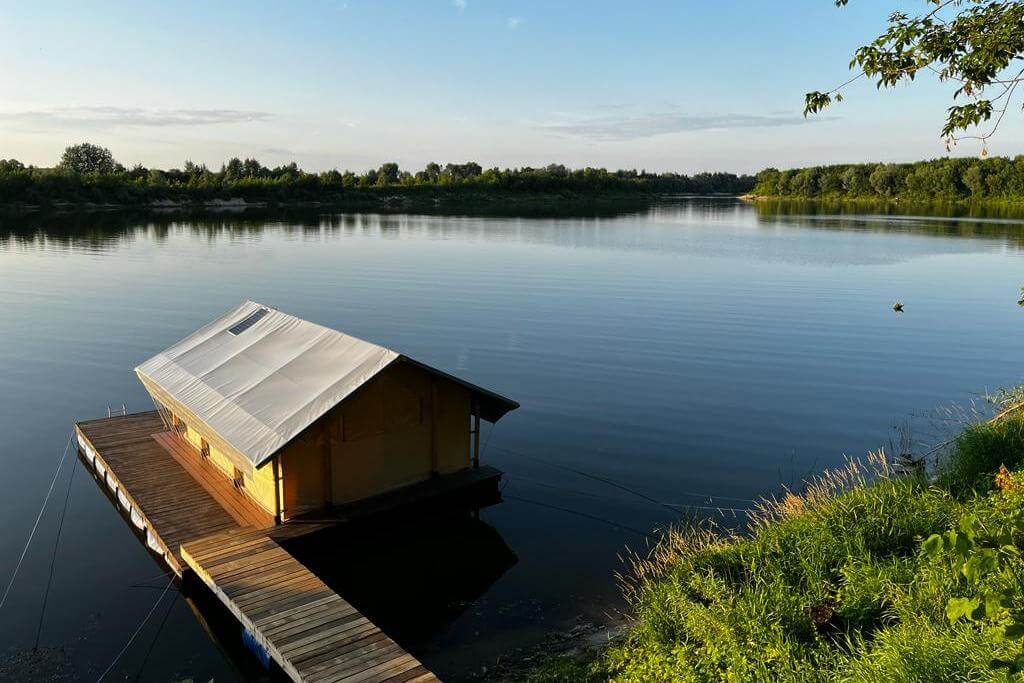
514,22
460,4
624,125
114,117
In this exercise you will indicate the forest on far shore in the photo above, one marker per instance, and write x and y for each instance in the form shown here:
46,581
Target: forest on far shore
953,178
88,174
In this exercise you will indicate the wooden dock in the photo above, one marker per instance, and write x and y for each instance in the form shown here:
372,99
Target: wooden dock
192,516
168,493
308,629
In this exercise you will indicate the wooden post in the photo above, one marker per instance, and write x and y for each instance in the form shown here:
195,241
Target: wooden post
330,432
476,433
433,427
278,511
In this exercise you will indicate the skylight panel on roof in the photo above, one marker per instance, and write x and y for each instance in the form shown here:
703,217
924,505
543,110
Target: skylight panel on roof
248,322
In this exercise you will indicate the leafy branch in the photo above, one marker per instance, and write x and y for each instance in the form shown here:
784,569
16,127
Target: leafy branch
976,43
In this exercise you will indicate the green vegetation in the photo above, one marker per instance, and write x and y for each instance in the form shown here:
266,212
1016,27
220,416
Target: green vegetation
976,45
88,174
845,582
949,179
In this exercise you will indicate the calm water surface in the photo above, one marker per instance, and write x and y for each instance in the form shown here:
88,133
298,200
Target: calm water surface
698,352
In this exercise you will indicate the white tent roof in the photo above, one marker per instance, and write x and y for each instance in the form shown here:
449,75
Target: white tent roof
258,377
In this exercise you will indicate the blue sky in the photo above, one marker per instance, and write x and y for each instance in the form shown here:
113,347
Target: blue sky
687,85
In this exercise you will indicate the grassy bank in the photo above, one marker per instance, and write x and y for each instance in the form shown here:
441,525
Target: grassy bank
834,584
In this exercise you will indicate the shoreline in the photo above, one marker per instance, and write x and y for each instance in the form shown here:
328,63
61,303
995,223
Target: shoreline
838,577
391,201
895,200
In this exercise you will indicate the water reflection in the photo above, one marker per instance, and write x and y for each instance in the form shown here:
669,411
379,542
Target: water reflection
108,228
700,352
412,578
938,220
581,227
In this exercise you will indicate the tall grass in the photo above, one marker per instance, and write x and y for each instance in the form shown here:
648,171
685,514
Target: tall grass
825,585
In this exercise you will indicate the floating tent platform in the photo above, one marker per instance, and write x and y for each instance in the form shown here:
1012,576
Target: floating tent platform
194,520
268,428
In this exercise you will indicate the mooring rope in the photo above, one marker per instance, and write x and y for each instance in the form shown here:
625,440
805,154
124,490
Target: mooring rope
675,508
578,513
53,556
137,630
35,526
156,636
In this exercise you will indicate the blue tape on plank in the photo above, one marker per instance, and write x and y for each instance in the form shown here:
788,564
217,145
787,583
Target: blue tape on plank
256,647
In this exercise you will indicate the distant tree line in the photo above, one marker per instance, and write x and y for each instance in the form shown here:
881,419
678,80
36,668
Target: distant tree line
89,174
993,178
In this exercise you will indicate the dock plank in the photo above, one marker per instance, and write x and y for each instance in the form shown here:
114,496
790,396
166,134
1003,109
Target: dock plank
313,634
171,489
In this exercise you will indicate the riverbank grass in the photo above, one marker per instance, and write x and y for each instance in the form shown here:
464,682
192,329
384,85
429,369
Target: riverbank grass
829,585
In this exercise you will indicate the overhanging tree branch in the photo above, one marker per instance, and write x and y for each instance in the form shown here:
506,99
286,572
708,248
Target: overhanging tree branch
976,45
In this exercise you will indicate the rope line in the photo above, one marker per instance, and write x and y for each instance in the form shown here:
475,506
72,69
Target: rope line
490,433
137,630
35,526
159,630
53,555
143,582
611,482
578,513
594,494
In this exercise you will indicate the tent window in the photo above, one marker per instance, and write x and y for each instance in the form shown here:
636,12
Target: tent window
248,322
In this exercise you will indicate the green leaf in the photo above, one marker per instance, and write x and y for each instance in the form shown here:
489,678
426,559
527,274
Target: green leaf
969,525
933,545
994,605
959,608
979,564
961,544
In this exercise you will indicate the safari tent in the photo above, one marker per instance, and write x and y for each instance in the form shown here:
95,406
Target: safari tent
301,417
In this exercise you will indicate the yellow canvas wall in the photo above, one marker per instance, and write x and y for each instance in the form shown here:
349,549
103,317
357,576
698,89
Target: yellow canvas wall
302,471
259,485
452,427
379,439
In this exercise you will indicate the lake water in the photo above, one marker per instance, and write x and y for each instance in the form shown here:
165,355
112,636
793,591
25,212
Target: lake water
698,353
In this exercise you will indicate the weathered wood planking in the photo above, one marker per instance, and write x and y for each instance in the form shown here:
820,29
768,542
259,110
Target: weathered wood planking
307,628
170,488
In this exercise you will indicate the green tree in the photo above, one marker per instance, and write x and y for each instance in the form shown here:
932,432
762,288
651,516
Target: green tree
253,169
976,45
885,180
974,179
830,181
11,165
855,181
388,174
768,182
88,158
805,182
233,170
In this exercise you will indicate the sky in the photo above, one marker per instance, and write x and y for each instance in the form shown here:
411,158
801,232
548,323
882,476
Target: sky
680,85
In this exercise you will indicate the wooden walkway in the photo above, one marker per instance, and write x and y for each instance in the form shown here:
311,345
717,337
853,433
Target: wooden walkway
193,516
166,492
307,628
